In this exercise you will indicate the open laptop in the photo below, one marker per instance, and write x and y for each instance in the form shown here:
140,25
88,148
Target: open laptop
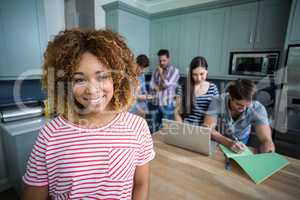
195,138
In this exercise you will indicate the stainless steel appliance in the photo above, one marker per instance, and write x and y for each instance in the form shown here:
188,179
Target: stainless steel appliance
253,63
287,129
293,88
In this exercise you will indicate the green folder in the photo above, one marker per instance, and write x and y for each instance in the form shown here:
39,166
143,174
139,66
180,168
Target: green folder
258,166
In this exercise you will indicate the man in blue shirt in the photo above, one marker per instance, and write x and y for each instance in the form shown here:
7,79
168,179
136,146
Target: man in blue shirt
238,112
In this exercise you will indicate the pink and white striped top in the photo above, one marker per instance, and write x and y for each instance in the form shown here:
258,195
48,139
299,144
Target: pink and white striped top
96,163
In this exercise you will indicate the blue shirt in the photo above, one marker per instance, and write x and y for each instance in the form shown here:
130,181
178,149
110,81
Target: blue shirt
142,84
240,128
140,104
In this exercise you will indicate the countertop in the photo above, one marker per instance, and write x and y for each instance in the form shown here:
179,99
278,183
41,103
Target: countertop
181,174
23,126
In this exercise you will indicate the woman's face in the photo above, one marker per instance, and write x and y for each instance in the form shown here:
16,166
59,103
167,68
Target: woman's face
92,84
199,74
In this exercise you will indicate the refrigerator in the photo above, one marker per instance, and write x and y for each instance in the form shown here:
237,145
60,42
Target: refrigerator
287,114
293,88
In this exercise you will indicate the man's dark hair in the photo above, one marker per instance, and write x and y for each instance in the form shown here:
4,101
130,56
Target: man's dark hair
242,90
163,52
142,60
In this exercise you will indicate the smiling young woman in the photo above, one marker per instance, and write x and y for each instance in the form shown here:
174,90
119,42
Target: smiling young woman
92,148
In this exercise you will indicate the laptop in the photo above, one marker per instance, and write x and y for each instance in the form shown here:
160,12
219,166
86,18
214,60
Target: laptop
187,136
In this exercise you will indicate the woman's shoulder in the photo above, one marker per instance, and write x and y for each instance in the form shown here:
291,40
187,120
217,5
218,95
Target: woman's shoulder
133,121
52,125
213,88
212,85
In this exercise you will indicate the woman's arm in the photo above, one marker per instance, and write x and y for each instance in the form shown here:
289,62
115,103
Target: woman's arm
177,112
35,192
141,182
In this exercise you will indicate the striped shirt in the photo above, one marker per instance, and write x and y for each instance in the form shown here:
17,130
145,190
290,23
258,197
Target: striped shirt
89,163
166,96
200,104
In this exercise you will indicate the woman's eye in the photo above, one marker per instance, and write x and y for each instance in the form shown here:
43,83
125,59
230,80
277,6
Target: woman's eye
102,77
79,80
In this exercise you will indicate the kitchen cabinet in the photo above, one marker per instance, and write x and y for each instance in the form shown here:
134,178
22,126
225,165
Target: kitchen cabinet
190,39
165,34
131,23
213,31
242,26
23,38
112,20
18,139
137,38
214,44
294,36
155,42
258,25
190,35
3,172
272,24
171,38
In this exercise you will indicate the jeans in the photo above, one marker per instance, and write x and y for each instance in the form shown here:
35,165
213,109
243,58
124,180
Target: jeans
167,112
156,113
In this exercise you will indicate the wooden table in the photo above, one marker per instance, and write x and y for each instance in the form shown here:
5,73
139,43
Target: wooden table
185,175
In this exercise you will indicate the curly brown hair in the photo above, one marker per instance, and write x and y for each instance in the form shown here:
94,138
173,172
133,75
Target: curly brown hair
62,57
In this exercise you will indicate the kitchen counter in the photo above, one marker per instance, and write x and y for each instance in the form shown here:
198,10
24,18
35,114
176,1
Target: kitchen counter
181,174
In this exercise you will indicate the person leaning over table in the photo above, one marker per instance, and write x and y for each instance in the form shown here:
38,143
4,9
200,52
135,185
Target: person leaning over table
238,112
193,98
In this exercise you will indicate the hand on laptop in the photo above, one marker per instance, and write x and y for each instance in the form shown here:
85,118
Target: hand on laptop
238,147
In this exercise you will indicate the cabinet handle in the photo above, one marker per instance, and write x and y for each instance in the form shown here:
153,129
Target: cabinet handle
257,37
251,37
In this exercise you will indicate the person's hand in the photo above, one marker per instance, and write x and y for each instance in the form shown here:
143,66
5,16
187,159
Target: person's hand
267,147
156,88
237,147
150,97
160,70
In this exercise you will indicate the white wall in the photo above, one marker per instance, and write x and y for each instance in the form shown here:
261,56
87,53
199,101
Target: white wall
55,17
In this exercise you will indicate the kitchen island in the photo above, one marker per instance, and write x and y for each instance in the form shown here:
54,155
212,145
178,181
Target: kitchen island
185,175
